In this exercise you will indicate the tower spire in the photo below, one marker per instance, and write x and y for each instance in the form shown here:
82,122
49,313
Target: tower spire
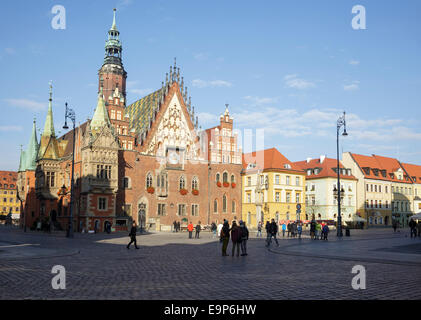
32,150
49,123
114,26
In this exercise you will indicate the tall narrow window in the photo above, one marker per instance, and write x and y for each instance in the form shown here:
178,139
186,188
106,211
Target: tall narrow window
194,184
233,206
224,203
149,180
215,206
182,183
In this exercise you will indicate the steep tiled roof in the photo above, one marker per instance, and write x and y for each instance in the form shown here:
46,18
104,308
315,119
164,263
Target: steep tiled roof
413,170
141,111
327,168
8,178
384,167
268,159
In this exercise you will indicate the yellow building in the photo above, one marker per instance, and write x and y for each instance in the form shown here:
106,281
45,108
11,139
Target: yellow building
273,188
9,203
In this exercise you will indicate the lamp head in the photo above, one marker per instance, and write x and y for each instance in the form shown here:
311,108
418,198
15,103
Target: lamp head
345,133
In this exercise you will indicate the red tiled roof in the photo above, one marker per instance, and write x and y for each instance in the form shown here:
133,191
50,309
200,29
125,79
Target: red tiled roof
268,159
8,178
327,167
413,170
386,164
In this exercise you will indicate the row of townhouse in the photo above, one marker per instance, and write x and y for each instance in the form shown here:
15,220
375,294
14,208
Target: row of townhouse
374,190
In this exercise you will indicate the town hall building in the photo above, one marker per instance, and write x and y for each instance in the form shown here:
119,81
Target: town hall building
148,161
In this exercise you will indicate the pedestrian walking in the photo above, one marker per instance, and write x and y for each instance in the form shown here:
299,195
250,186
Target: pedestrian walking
175,226
259,229
412,226
213,229
273,229
289,229
190,230
235,238
394,225
299,230
244,237
225,237
198,228
178,226
284,228
132,236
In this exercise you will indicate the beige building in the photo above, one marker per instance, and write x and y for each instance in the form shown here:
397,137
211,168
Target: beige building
384,189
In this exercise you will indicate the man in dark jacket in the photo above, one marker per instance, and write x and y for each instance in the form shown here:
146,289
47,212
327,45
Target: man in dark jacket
225,237
132,236
412,225
289,229
236,238
198,228
273,229
244,237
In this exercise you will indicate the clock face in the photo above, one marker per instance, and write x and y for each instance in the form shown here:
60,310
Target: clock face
173,158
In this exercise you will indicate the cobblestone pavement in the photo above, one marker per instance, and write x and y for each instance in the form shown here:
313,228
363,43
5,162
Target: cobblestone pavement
170,266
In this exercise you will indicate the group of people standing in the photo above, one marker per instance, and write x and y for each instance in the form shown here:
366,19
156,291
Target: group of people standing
176,226
239,235
318,230
294,229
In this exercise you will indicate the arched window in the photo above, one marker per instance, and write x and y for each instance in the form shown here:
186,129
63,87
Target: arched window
215,206
195,184
182,183
218,177
232,178
225,177
233,206
224,203
149,180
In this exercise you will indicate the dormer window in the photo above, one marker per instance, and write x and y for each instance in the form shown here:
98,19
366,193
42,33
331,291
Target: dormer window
366,170
309,172
287,166
383,172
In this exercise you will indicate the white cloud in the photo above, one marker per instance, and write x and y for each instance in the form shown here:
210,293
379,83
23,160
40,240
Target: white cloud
27,104
355,85
257,101
206,118
292,81
10,128
199,83
201,56
354,62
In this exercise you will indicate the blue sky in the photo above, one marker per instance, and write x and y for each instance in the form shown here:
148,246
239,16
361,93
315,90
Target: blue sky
290,67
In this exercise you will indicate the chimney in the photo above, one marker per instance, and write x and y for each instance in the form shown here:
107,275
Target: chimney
322,158
308,160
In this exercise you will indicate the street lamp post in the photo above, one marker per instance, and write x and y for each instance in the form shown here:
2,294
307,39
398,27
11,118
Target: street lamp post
341,122
71,115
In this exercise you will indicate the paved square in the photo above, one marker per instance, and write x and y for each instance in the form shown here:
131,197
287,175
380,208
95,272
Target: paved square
171,266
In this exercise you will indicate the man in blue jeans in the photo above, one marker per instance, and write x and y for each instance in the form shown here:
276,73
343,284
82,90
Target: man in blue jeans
272,231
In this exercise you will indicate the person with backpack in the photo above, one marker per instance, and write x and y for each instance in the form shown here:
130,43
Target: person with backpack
225,237
273,229
244,237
